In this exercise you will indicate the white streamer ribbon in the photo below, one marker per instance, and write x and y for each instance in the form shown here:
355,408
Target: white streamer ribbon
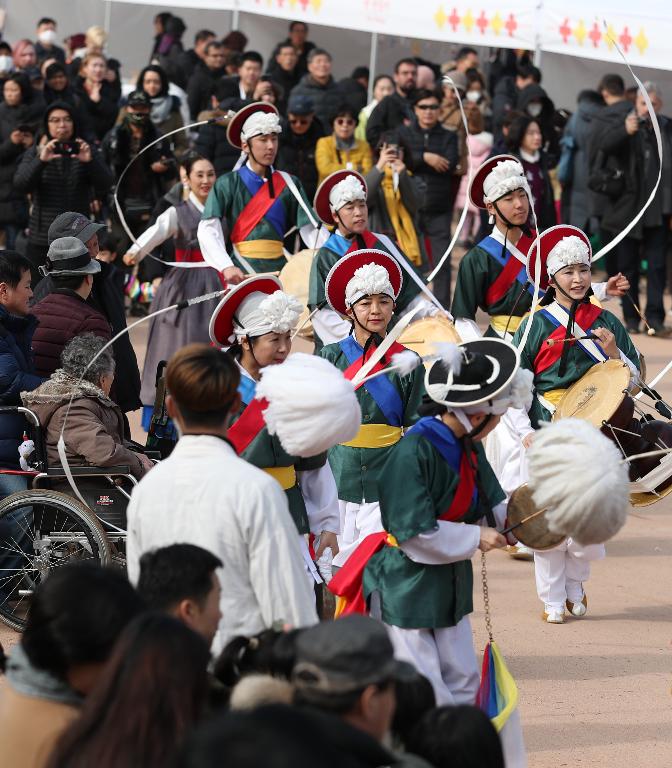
659,143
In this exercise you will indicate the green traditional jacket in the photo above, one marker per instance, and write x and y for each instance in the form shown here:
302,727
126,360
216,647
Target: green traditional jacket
578,361
417,486
356,470
335,248
266,452
227,200
478,270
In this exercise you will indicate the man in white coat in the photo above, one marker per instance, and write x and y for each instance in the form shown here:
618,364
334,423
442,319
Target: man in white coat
204,494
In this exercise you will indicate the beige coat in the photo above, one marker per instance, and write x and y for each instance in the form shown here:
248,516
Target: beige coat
29,727
95,427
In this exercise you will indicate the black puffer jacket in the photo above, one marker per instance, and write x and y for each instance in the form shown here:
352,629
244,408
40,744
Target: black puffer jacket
326,98
211,141
437,186
62,184
100,115
296,155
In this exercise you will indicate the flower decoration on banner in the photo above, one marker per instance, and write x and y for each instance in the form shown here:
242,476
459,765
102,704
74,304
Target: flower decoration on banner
476,22
303,5
576,30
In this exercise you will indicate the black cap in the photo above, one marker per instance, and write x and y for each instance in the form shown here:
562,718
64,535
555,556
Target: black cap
138,99
346,655
73,224
299,104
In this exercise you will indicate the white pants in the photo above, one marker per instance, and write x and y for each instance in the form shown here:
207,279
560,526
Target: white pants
445,656
560,571
506,453
357,522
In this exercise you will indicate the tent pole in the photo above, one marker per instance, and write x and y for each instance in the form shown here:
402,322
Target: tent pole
235,17
372,64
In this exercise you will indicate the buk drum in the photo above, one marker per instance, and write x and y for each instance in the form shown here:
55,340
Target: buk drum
421,335
601,397
295,277
534,532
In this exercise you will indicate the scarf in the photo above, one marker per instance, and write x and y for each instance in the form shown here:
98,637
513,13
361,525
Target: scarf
162,106
31,681
400,218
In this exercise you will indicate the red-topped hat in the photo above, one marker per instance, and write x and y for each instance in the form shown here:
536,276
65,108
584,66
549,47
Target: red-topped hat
221,322
321,199
476,192
344,271
559,246
235,127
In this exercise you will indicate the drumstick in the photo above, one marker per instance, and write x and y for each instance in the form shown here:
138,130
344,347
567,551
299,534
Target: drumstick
551,342
649,329
522,522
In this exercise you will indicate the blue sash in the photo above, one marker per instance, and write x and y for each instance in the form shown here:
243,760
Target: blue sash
494,248
442,438
276,214
381,389
338,244
558,324
247,388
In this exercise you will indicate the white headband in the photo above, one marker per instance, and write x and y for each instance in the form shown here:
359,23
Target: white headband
369,280
346,191
504,178
570,250
261,313
260,124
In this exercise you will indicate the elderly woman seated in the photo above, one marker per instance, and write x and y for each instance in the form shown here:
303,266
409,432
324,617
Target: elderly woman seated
94,428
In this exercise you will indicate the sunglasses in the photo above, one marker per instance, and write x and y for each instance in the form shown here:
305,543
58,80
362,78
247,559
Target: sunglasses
299,120
344,121
427,106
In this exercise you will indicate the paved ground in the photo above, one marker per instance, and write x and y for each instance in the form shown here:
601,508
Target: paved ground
593,692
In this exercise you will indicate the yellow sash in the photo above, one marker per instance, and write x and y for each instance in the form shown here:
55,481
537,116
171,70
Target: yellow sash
286,476
401,220
554,396
499,323
260,249
375,436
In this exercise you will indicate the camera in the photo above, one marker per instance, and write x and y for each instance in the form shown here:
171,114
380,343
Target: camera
67,148
394,148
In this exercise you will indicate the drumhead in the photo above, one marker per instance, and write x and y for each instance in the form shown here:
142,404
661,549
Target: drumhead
534,533
597,395
421,335
295,277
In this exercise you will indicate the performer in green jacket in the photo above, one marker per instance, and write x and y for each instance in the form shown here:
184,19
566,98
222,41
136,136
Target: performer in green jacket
567,319
340,202
364,286
257,318
436,491
254,204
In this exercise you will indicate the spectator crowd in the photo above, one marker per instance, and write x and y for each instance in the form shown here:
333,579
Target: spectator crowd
108,674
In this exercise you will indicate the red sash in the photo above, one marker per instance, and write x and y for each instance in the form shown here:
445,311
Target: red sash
347,584
353,369
507,277
256,209
548,354
370,241
188,254
248,426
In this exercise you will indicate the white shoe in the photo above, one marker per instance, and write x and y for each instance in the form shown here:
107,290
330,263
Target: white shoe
553,615
578,609
520,552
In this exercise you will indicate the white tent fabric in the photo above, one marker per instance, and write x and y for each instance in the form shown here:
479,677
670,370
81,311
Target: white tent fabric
642,31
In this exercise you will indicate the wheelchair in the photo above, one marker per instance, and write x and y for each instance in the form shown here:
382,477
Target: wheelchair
45,527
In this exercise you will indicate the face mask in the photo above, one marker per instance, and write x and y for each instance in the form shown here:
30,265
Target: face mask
473,96
137,119
48,37
6,63
534,110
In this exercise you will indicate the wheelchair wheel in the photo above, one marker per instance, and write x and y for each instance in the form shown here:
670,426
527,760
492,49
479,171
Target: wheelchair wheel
41,530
